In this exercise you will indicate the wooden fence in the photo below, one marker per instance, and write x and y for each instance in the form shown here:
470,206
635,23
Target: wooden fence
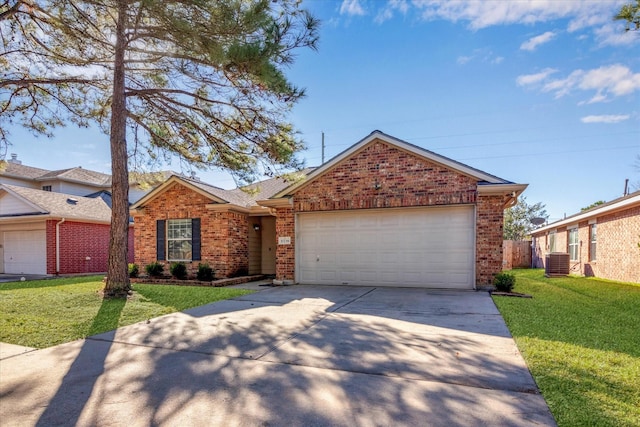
516,254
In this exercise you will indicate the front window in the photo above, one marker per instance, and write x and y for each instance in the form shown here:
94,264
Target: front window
592,242
46,188
179,244
573,244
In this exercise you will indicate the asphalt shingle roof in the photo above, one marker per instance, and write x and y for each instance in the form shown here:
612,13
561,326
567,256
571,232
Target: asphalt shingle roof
63,205
21,171
80,175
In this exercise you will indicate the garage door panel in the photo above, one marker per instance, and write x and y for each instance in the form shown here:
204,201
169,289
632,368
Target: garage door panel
25,252
431,247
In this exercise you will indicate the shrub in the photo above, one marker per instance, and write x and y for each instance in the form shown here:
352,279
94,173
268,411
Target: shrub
133,270
154,269
205,273
178,270
504,282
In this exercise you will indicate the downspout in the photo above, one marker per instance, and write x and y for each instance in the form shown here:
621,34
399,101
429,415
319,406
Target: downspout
58,245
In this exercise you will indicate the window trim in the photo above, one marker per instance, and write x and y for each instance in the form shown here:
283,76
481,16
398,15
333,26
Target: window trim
593,242
169,239
162,241
573,231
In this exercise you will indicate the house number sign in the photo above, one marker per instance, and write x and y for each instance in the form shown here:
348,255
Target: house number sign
284,240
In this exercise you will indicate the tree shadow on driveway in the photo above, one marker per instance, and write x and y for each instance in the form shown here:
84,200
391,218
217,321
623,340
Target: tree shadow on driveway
266,359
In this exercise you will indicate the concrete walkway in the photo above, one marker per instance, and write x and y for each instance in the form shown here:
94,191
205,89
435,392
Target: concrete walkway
287,356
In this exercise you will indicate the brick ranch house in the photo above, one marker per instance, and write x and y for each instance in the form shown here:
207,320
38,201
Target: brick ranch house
49,233
383,212
601,242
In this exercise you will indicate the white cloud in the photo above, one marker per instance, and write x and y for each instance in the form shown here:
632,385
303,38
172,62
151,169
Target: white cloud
531,79
389,10
351,8
484,55
607,82
478,14
534,42
613,34
482,14
605,118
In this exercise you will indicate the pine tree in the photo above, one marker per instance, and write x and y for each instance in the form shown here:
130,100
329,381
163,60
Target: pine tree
202,80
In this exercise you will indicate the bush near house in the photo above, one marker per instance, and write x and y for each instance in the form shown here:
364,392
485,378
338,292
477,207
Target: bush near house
178,270
205,272
133,270
580,338
504,282
154,269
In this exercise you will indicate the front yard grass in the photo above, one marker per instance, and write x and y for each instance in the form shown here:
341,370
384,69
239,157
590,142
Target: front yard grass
43,313
580,338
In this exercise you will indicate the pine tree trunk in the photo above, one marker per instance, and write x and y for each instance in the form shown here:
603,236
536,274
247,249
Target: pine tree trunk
117,284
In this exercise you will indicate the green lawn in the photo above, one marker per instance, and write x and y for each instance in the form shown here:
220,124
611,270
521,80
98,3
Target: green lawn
580,338
44,313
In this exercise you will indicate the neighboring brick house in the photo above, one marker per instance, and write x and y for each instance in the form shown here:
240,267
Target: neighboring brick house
48,233
27,218
383,212
601,242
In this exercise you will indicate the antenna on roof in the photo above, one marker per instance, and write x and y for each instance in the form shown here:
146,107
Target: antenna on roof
322,148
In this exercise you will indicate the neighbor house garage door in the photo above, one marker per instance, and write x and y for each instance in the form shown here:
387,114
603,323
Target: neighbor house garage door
419,247
25,252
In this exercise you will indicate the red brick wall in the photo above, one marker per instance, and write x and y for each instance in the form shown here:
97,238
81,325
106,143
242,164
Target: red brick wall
224,235
285,254
489,236
79,240
384,176
617,252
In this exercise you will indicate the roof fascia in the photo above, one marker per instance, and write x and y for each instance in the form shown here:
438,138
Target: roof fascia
282,202
227,207
625,203
47,217
501,189
23,199
398,143
173,179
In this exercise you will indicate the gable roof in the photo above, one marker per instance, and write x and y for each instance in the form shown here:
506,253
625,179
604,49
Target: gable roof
483,178
244,197
79,175
17,170
58,205
624,202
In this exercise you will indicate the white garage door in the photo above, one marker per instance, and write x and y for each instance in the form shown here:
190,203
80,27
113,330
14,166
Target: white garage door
25,252
420,247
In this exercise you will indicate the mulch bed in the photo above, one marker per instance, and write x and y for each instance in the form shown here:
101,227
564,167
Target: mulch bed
510,294
168,280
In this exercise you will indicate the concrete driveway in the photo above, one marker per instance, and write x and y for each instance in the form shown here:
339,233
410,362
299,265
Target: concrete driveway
287,356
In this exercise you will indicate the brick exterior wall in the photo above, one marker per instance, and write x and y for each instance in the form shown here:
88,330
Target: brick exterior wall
489,236
285,254
381,176
617,252
79,240
224,235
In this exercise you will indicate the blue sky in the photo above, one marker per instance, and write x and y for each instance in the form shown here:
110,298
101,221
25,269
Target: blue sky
539,92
